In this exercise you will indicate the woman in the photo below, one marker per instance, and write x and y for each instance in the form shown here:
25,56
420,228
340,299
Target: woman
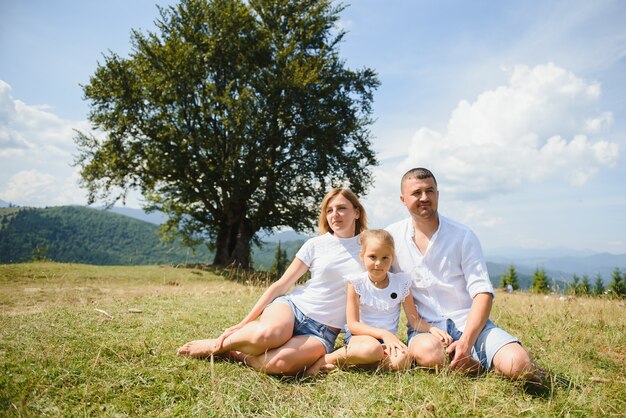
295,330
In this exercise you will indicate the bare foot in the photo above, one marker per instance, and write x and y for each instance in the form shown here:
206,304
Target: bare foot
198,349
320,366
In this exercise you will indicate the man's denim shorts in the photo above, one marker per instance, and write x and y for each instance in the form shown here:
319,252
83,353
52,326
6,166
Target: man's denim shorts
489,341
303,325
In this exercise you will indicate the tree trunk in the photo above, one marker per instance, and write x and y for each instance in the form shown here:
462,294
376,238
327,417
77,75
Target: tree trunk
233,244
221,247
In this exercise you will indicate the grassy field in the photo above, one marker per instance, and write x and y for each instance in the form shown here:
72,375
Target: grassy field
61,356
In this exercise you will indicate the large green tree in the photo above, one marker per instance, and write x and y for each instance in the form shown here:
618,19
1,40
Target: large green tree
234,116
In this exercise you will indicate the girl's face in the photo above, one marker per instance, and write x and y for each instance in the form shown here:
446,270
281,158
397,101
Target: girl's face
377,258
341,216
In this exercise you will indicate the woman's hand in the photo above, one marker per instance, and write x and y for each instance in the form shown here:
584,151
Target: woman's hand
219,342
393,346
441,335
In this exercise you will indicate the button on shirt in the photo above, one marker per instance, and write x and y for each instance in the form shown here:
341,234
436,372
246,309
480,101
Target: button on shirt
447,276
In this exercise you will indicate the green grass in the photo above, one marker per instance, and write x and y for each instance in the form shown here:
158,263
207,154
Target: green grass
61,357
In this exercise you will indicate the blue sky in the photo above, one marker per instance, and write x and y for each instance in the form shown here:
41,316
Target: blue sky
518,107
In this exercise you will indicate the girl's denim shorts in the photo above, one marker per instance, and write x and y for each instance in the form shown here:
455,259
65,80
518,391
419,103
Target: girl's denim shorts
303,325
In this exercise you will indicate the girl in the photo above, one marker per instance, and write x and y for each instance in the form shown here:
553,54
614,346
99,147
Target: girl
373,312
295,330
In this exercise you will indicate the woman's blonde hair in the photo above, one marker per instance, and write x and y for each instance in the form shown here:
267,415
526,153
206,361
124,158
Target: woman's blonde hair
360,224
377,234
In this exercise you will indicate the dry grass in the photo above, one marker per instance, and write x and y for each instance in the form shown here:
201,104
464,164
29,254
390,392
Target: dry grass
61,357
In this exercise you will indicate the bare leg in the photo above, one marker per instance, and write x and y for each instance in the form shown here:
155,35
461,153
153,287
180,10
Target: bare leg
273,329
362,350
428,351
293,357
513,361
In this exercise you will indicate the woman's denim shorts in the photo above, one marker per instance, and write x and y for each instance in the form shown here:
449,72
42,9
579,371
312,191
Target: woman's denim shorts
303,325
489,341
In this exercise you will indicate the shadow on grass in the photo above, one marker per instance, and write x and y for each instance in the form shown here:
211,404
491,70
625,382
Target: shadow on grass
550,381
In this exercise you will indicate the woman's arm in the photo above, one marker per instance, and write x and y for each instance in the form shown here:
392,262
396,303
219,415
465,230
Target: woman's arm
280,287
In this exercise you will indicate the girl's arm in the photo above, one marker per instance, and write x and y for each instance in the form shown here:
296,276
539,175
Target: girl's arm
295,270
357,327
418,324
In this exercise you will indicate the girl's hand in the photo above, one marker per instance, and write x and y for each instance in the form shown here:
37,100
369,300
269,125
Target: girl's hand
441,335
393,346
219,342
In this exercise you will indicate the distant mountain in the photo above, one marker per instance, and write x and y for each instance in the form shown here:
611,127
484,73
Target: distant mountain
4,204
601,263
532,255
157,218
559,268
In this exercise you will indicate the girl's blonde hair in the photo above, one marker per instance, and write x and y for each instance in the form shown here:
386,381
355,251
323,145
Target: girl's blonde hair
380,235
361,223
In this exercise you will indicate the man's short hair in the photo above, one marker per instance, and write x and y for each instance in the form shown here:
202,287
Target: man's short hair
417,173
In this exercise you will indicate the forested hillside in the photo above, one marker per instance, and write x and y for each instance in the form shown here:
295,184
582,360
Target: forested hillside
84,235
78,234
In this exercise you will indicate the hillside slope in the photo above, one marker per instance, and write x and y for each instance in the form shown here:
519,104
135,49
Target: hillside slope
84,235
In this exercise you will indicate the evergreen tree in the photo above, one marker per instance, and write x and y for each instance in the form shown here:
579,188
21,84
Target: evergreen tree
232,117
540,282
585,287
510,277
40,253
598,287
280,261
574,285
617,286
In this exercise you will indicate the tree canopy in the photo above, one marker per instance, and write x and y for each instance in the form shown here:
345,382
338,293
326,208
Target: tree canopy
232,117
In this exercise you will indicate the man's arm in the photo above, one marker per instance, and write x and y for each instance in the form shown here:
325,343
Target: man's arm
476,320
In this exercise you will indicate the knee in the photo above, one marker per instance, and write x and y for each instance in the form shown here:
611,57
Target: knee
427,352
513,361
269,336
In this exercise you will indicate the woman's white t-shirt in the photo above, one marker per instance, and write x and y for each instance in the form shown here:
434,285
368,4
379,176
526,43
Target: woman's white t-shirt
380,308
330,259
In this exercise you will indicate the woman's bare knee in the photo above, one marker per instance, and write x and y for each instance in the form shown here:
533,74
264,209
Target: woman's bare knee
268,336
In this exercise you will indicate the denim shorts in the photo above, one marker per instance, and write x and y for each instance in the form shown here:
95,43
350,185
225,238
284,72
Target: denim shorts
303,325
489,341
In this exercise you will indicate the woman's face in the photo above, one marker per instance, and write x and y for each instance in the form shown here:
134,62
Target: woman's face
341,216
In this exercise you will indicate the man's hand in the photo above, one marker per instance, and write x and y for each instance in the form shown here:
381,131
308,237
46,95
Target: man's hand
462,359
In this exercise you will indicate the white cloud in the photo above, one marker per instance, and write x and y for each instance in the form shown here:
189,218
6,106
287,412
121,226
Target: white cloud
518,133
35,188
36,148
541,125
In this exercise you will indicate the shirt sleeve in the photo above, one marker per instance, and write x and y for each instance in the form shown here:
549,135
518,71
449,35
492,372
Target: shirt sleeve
306,253
474,266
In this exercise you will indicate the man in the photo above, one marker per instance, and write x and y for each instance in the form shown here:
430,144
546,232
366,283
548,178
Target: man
451,287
